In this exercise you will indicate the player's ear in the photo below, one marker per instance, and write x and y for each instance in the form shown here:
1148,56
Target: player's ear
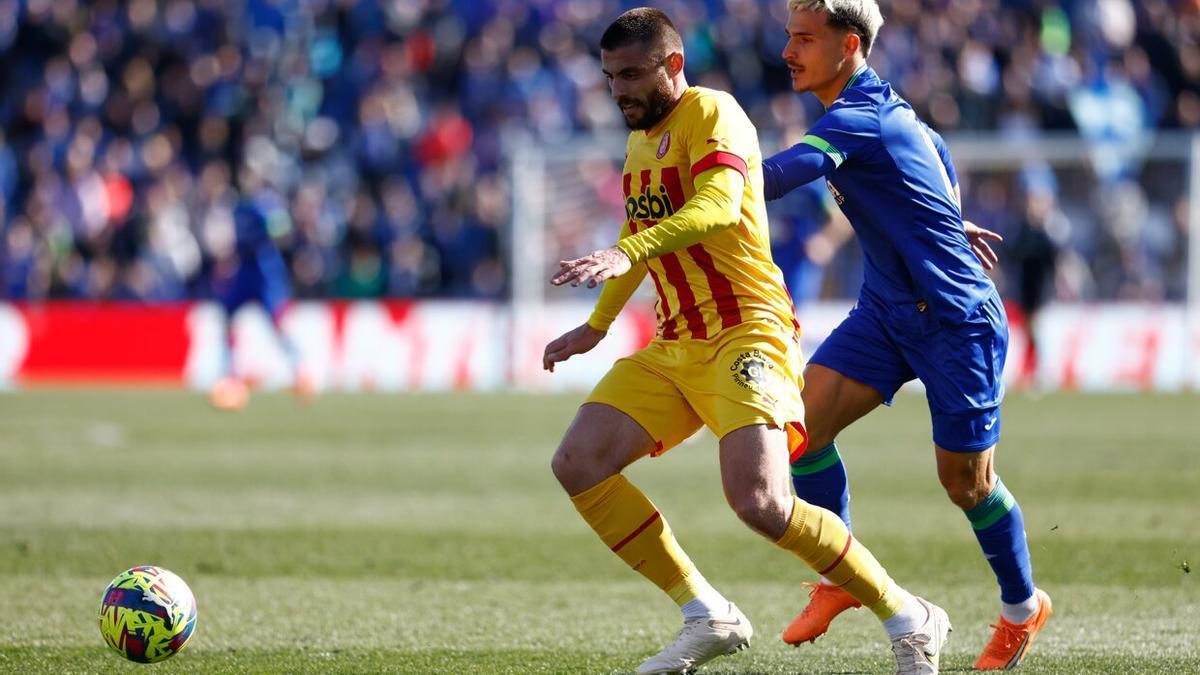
851,44
674,63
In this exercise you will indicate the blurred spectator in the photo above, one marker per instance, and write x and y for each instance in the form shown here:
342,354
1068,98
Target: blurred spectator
249,269
807,230
381,127
1031,253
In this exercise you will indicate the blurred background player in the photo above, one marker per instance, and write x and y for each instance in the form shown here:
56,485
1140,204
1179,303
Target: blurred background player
253,271
726,356
807,231
926,310
1031,253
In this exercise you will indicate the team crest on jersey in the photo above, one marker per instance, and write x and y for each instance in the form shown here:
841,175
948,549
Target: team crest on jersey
664,145
751,369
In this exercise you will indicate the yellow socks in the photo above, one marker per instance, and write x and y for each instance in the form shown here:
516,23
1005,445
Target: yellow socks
630,525
821,539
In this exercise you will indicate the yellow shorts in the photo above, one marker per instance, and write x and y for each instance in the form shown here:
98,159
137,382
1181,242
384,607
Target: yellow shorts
748,374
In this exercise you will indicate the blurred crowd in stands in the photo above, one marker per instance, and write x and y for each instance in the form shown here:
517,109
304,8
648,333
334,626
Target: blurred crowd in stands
371,136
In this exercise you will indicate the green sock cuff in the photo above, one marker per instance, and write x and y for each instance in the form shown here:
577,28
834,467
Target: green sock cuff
813,462
993,508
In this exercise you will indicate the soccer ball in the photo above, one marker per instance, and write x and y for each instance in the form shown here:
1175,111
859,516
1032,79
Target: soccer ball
147,614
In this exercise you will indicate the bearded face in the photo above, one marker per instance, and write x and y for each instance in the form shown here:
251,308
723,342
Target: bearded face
646,111
639,82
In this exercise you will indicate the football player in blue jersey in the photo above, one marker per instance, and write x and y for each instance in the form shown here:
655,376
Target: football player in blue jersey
926,310
254,272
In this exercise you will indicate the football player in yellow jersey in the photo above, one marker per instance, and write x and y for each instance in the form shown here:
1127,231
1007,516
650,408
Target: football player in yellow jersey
726,356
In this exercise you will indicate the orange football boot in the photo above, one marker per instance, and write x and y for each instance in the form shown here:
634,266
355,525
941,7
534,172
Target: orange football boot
229,394
1011,640
825,602
305,387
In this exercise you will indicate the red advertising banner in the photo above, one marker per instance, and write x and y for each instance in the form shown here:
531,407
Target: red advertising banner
82,342
451,346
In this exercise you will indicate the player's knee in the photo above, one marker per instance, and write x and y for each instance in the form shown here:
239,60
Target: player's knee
578,466
762,510
566,467
966,491
560,465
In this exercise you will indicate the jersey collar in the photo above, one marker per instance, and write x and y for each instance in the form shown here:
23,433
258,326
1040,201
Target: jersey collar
664,122
862,75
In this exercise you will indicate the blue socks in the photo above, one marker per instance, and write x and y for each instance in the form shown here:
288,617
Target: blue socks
820,479
1000,529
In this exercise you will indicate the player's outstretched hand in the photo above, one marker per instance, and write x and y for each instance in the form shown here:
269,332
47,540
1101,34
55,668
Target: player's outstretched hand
575,341
979,237
592,269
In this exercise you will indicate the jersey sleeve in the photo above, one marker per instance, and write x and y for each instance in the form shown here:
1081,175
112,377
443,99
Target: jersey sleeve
798,165
944,153
717,205
718,133
844,132
616,292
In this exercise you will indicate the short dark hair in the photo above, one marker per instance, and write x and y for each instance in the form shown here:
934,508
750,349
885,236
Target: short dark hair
642,25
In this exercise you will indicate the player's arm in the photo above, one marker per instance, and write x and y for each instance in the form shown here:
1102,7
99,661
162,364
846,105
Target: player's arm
616,292
612,300
943,152
587,335
716,206
583,338
804,162
613,296
977,236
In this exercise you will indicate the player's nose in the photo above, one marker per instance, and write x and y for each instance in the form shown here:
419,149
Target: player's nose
787,53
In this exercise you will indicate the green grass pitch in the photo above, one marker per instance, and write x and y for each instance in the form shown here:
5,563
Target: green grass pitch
426,534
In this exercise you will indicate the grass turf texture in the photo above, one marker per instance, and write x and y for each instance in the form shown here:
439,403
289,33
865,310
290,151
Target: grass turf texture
426,534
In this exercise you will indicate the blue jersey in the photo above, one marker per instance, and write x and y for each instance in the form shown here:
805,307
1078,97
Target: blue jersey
893,178
261,273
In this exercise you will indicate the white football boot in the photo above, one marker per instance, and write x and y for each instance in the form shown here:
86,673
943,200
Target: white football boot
917,652
701,640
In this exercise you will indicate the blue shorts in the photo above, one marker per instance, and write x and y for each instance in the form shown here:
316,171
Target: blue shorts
272,295
960,365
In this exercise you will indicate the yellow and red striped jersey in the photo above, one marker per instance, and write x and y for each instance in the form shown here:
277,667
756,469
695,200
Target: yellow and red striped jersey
729,277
